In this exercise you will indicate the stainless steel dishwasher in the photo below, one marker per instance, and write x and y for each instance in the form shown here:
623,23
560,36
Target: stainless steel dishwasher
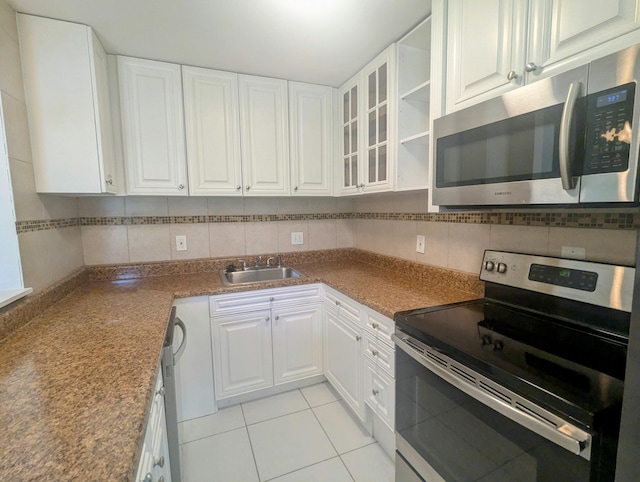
169,358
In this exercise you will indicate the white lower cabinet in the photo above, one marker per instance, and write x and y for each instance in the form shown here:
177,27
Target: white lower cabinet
266,338
154,465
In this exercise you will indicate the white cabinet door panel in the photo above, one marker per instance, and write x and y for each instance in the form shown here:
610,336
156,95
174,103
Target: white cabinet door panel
297,343
153,127
311,154
265,135
242,353
486,40
212,125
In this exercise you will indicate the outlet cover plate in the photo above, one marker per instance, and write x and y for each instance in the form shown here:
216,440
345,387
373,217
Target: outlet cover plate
420,244
181,243
297,238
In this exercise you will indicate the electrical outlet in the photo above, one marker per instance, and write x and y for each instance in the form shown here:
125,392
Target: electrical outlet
573,252
181,243
420,244
297,238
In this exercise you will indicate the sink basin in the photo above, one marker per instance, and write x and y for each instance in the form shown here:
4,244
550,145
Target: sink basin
258,275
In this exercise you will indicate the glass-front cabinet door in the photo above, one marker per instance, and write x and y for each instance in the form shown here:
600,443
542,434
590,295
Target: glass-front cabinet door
350,100
378,79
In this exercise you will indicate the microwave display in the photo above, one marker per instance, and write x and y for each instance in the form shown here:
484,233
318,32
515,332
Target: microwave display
608,136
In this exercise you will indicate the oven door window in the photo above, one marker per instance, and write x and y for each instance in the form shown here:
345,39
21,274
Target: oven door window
464,440
520,148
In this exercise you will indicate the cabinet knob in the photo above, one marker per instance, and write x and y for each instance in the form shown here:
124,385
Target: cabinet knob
247,188
238,187
374,326
361,185
272,299
277,318
181,187
512,75
358,338
531,67
337,303
375,392
159,461
295,189
266,318
161,479
148,477
110,182
160,391
374,352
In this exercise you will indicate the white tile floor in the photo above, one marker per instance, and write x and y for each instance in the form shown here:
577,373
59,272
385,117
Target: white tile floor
303,435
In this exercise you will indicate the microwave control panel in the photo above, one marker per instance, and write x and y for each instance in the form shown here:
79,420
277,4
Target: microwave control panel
608,130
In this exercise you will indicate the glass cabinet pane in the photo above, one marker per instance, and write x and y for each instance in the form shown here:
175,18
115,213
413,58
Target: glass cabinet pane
347,170
382,163
372,90
372,165
354,136
354,102
345,107
382,83
354,170
372,128
382,124
346,141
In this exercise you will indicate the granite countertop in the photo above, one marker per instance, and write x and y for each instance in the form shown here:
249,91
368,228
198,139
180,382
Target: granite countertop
77,381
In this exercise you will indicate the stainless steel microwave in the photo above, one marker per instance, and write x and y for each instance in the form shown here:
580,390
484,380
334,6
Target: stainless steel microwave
568,139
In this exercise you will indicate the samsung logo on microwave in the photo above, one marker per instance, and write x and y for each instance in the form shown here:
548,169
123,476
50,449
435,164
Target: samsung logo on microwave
502,193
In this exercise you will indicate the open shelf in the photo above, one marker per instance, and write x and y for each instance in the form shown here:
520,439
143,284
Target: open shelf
420,138
420,92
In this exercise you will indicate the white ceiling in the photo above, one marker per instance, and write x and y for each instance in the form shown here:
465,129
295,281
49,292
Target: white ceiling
317,41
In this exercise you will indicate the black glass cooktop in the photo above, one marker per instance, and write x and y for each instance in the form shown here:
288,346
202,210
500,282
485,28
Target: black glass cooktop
569,370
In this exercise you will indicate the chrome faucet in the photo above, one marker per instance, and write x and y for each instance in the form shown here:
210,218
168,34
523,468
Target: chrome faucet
277,258
244,264
258,261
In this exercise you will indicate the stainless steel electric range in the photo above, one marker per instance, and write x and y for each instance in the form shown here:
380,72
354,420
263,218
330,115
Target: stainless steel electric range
525,384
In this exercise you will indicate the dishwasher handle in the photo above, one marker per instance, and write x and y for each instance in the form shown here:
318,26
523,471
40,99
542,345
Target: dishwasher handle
183,344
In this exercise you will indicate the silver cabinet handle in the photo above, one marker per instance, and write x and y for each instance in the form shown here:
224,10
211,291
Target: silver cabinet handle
266,318
374,392
160,391
374,352
512,75
159,461
272,299
110,181
148,477
295,189
338,303
161,479
568,181
181,187
361,185
531,67
238,187
247,188
277,318
374,326
358,338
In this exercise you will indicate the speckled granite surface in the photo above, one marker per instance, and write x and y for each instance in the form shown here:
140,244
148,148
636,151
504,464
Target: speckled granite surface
76,381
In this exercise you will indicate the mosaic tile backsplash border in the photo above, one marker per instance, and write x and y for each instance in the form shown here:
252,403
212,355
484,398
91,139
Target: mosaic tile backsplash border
602,220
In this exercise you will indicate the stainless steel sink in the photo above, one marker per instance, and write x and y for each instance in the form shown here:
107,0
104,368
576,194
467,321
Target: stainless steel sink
257,275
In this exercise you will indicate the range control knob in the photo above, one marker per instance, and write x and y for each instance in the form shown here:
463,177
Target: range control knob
489,265
502,268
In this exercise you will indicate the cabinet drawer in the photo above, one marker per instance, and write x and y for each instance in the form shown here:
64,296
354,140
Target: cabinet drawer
380,393
380,354
348,307
379,324
263,299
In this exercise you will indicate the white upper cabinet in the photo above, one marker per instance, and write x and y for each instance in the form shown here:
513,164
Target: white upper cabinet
265,135
497,45
67,96
213,132
153,127
349,99
310,121
380,111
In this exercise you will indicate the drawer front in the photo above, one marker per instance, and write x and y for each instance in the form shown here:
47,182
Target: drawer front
379,353
263,299
379,324
347,307
380,393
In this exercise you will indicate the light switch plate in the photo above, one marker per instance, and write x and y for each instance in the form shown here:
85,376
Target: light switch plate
420,244
297,238
181,243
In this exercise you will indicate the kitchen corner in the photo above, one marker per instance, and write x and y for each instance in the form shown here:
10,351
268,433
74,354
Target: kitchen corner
78,378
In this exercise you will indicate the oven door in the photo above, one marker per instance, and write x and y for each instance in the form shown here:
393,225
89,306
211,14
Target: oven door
453,424
515,149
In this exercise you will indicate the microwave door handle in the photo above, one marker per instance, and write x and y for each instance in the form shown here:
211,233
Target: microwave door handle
568,181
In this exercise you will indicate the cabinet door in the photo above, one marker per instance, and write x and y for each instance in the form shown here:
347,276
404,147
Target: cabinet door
242,353
379,392
153,127
350,101
297,343
486,44
562,30
265,135
194,365
212,125
343,360
310,115
379,90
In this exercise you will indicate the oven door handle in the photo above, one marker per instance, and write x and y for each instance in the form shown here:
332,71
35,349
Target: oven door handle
553,429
